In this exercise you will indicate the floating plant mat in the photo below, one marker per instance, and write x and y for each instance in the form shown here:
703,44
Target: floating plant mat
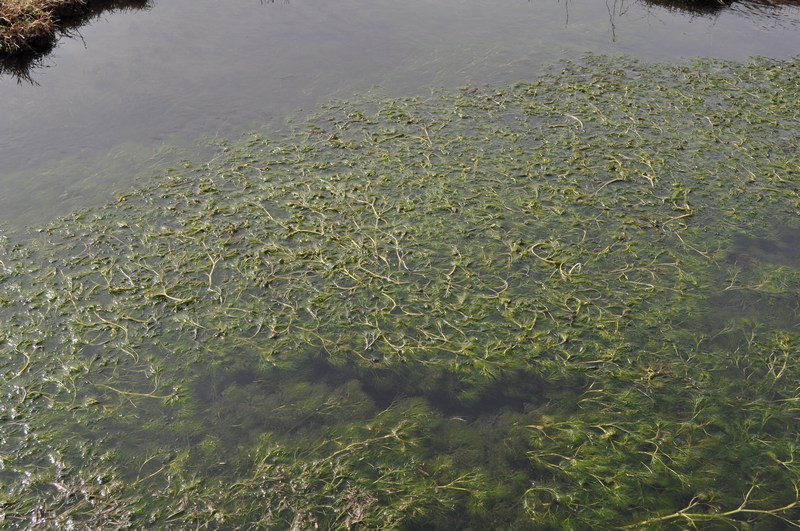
565,304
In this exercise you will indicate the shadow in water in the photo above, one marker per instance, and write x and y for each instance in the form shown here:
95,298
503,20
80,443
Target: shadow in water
782,249
66,20
255,398
759,286
711,7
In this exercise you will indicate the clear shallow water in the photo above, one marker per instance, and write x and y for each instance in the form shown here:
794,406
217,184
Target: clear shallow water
568,303
565,304
139,80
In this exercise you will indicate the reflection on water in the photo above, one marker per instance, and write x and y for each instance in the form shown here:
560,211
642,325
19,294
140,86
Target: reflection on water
186,68
769,8
23,66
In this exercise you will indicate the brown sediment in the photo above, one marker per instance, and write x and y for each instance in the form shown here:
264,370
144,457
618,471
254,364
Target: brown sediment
30,27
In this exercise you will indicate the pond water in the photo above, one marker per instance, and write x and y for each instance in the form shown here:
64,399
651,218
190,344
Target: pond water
133,83
478,291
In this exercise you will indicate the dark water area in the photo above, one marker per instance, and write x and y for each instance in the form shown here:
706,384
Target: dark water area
136,83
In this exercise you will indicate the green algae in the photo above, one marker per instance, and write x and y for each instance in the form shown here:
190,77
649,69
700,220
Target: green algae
550,305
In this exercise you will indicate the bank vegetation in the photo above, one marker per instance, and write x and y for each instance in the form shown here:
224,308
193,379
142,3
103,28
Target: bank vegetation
32,26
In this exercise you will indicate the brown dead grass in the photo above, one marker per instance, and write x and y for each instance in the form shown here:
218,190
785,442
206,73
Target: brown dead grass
27,24
31,26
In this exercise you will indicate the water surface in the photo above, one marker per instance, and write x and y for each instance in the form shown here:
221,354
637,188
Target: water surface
140,79
570,302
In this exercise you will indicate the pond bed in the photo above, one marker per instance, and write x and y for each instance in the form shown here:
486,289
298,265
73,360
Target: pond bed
570,303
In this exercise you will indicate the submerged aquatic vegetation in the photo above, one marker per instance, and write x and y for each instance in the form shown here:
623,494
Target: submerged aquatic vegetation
545,305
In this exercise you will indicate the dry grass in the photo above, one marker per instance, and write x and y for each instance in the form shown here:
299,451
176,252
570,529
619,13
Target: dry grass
31,26
26,24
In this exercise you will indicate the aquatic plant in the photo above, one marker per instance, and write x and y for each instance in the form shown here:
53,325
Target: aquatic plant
540,306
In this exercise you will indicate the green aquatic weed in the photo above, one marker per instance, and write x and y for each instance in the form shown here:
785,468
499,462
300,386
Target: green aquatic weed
546,305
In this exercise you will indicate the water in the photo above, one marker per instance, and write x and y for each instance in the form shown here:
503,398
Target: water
506,308
569,303
138,81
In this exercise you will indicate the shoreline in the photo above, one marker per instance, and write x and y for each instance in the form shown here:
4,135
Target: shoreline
32,27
